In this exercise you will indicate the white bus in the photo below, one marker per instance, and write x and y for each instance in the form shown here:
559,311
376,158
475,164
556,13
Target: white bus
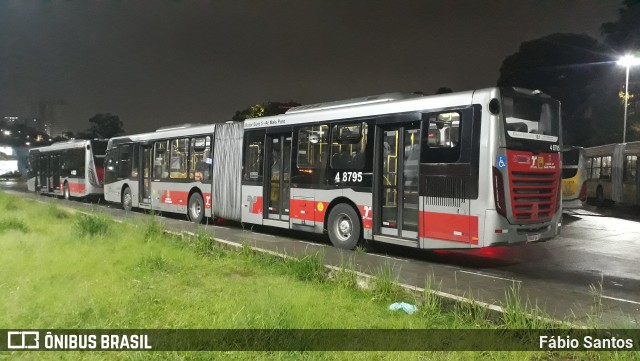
613,173
68,169
574,177
460,170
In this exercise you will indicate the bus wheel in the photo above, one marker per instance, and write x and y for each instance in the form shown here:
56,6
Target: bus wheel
195,211
127,199
65,191
344,227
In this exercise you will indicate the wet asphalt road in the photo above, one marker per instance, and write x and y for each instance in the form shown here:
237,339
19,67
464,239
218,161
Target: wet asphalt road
595,247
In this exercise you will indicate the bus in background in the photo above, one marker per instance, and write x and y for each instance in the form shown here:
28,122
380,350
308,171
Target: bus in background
69,169
459,170
612,172
574,177
172,170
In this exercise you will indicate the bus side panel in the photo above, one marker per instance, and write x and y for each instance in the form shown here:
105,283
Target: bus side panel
113,191
446,227
31,184
77,186
252,202
227,170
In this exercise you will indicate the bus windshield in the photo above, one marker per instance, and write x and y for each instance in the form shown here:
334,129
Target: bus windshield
531,118
571,157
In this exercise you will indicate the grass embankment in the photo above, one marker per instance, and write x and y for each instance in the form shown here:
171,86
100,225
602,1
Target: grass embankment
65,270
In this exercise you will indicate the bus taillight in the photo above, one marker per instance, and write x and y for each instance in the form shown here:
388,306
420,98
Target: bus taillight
498,192
583,192
100,174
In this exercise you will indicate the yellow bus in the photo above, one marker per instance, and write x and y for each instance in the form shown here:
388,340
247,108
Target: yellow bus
574,177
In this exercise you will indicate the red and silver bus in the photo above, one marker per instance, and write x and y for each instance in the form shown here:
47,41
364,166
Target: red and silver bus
68,169
459,170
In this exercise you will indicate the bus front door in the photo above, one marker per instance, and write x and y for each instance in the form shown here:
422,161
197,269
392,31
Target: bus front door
43,172
397,195
145,175
277,188
55,172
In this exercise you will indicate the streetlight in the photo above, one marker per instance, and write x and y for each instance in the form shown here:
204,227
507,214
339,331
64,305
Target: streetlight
627,61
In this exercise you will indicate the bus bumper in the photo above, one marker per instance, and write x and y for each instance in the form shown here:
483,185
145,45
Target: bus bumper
571,204
499,232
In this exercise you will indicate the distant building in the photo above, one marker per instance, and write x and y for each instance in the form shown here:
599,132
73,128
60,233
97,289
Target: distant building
34,123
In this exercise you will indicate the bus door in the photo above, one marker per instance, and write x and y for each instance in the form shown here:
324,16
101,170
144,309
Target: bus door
146,166
397,194
278,176
43,172
55,171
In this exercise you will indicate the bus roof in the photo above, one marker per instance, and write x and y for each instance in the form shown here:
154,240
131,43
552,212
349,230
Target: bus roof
69,144
165,132
363,107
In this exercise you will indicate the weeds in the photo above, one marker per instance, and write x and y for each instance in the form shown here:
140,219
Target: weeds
432,304
308,268
56,212
207,246
92,225
523,316
247,250
384,286
471,312
11,206
154,263
346,276
153,230
596,291
13,224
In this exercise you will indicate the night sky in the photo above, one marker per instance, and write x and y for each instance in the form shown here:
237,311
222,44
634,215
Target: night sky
157,63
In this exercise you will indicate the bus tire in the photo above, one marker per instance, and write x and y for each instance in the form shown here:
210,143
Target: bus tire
344,227
127,199
66,194
195,210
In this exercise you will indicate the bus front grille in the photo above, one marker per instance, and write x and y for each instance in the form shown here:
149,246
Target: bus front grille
533,195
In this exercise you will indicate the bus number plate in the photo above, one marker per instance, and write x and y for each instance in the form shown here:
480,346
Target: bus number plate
533,237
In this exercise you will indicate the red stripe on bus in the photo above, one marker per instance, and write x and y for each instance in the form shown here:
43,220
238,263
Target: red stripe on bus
449,227
181,198
77,187
310,210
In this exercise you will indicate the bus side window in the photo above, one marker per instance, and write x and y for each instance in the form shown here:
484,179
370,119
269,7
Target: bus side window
124,162
348,146
179,158
629,172
135,158
110,167
312,147
161,160
201,161
253,151
443,138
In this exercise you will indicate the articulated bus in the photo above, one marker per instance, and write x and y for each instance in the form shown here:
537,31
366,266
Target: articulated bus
612,171
460,170
574,177
68,169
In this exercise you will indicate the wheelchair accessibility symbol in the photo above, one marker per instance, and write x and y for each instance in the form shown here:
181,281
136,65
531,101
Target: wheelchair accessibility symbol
502,161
